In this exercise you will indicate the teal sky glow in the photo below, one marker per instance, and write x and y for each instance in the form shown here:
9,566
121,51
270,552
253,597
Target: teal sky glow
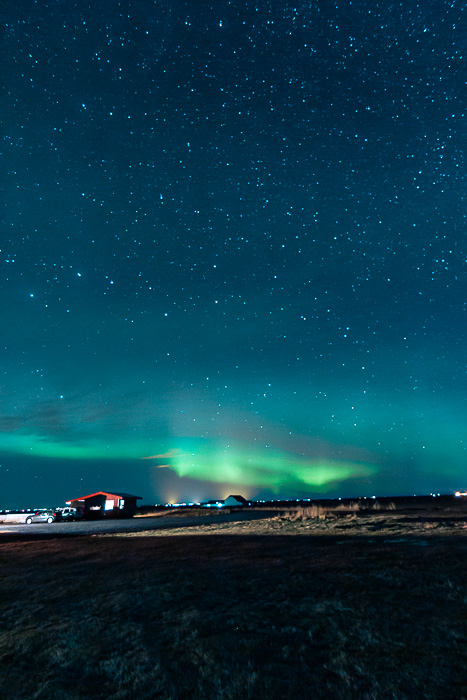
232,234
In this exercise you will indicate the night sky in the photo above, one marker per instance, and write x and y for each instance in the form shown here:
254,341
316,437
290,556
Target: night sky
232,249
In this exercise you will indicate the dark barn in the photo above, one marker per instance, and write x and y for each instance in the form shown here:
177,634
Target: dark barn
235,500
102,503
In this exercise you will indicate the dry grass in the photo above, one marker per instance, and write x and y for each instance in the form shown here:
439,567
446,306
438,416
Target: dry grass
320,512
310,513
286,614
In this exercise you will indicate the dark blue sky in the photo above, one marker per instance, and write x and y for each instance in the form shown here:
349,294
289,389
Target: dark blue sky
233,243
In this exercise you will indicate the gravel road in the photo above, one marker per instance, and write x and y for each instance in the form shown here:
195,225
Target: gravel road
96,527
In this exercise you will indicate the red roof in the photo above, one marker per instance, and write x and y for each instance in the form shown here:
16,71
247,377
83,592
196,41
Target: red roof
105,493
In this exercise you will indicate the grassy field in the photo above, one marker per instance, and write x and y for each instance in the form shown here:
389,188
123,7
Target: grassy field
345,606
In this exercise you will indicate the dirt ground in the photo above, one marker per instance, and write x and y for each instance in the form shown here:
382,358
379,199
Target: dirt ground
300,605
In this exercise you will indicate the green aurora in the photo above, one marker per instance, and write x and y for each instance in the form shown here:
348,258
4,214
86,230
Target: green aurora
203,459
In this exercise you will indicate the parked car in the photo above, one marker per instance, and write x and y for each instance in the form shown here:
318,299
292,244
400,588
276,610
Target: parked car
68,514
41,516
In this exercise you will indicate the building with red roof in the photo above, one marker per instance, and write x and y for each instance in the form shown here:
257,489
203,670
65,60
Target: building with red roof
104,503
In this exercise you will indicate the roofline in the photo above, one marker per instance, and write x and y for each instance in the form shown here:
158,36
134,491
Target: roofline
104,493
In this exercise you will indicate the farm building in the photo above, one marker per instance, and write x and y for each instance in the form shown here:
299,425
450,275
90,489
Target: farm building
101,503
235,501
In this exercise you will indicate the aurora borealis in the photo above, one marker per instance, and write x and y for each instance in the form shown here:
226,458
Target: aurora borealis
232,256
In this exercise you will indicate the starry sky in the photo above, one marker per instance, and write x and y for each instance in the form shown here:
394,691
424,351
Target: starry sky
232,250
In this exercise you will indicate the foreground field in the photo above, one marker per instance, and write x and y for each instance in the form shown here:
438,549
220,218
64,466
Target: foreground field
300,609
